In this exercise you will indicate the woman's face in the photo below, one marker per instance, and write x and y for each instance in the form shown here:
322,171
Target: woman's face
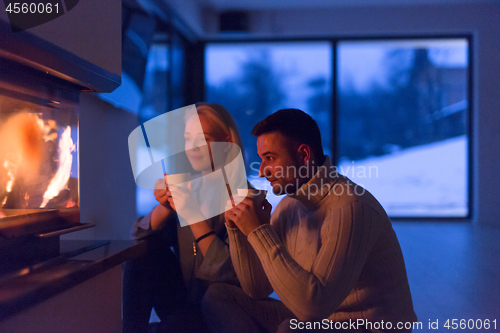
197,140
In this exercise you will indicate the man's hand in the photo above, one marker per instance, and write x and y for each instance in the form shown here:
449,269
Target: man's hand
247,216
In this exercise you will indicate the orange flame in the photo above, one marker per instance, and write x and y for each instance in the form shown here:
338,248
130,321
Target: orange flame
71,203
11,173
61,177
22,147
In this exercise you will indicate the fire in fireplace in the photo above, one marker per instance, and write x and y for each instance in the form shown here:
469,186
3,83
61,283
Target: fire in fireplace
39,175
38,157
38,154
40,85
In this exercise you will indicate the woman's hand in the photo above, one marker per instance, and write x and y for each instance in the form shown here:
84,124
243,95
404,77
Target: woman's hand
161,194
186,204
160,213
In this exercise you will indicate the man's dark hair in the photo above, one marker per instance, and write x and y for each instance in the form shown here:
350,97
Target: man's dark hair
296,125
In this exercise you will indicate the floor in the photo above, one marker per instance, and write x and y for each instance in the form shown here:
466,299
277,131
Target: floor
453,270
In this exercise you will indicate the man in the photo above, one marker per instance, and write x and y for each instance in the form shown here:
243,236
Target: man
329,250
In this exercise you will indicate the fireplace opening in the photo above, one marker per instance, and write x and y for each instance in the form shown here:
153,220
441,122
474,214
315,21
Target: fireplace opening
39,164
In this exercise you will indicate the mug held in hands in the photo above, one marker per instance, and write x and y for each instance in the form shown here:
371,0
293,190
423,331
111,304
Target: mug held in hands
178,178
257,196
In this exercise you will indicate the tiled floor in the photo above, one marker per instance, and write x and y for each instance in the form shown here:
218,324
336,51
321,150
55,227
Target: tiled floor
453,270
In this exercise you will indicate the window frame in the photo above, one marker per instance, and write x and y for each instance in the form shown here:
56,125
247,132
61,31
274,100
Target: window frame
334,42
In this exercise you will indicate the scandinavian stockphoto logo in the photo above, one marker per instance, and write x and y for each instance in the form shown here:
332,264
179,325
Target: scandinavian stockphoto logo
26,14
202,176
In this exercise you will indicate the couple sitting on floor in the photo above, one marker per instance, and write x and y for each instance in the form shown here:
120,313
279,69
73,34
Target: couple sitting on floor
328,250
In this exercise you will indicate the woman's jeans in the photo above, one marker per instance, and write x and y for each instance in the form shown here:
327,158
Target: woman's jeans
153,281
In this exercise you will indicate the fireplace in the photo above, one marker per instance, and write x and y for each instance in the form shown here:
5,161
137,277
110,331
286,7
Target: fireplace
40,85
39,174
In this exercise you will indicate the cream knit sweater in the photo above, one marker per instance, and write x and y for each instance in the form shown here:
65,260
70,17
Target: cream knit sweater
329,252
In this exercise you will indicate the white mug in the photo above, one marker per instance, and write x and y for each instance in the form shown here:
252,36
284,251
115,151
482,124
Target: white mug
257,196
177,178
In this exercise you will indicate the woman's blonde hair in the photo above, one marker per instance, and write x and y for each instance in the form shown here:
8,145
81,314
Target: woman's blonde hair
223,122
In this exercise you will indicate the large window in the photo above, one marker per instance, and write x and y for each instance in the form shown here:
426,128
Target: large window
402,123
253,80
155,101
163,86
401,112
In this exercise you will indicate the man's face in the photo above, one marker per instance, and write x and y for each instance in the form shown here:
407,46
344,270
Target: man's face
280,162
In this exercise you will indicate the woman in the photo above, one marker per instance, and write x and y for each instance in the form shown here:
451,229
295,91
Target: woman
174,283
